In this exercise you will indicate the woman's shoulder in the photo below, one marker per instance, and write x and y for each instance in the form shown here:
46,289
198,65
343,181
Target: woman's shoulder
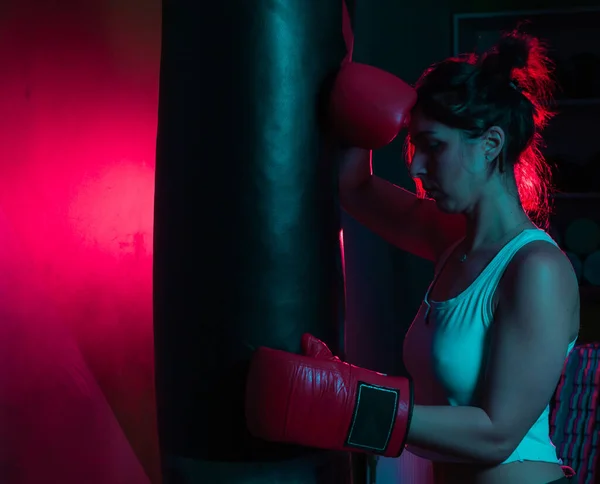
541,253
540,288
541,266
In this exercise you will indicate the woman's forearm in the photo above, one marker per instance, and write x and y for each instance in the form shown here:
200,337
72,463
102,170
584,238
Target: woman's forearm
355,169
465,433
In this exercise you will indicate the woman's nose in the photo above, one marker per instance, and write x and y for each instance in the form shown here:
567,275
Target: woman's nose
417,167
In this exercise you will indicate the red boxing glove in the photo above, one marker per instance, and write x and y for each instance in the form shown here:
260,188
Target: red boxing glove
368,106
316,400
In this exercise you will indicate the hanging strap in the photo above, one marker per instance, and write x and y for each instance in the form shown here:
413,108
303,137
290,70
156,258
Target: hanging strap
348,34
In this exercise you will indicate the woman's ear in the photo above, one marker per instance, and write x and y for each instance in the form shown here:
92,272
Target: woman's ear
493,142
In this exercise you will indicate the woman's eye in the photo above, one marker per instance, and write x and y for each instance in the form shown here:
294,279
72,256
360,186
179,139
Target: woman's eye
426,146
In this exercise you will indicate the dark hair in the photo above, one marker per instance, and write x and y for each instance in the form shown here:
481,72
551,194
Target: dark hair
509,86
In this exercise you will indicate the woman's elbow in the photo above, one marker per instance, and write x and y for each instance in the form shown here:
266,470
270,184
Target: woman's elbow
501,450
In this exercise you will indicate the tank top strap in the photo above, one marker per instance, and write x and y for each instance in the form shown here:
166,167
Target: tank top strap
488,280
501,260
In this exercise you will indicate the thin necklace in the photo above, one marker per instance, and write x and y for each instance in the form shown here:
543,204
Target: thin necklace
465,256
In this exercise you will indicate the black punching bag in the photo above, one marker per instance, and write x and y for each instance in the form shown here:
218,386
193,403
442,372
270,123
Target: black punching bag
246,249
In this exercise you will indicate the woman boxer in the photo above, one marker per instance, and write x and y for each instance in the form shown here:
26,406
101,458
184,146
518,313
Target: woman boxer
488,344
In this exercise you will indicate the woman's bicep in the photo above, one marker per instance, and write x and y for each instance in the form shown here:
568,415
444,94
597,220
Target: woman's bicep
397,215
531,332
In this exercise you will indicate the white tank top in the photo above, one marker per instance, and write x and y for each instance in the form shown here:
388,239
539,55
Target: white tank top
445,350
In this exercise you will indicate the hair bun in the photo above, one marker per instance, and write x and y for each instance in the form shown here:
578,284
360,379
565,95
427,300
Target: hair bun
522,60
511,52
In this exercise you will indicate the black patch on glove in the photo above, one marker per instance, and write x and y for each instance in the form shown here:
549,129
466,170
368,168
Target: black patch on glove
373,418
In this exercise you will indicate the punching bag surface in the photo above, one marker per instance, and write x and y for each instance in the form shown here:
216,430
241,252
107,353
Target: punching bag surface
246,250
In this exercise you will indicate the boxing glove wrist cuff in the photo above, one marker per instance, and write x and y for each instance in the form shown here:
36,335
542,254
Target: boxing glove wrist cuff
381,417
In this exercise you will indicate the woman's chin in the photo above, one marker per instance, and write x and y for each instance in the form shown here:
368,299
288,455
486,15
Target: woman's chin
443,202
445,205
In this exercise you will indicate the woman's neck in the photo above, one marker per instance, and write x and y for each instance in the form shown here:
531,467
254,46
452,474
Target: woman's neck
493,219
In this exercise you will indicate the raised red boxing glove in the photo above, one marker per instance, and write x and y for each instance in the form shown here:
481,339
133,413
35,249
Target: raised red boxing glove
316,400
368,106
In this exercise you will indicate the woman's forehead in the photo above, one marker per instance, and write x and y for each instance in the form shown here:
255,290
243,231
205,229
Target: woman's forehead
420,125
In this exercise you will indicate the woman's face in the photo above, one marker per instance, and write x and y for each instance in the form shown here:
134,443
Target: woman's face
453,169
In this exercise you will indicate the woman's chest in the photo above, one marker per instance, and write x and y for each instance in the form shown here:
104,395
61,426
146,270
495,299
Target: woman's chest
455,277
445,354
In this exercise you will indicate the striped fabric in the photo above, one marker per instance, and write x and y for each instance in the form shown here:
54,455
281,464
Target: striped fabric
575,419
